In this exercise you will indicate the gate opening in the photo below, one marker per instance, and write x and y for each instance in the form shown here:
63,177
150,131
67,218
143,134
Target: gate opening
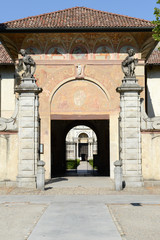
81,149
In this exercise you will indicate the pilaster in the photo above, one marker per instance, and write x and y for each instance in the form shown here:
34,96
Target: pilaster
130,134
28,128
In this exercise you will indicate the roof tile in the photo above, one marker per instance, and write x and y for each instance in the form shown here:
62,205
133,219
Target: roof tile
4,56
154,58
76,17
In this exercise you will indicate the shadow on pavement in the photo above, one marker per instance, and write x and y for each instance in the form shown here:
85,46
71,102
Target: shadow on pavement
57,179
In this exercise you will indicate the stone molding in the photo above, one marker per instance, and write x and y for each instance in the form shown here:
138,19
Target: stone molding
129,84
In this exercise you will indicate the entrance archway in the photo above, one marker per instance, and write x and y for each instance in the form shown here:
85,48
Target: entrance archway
59,130
79,102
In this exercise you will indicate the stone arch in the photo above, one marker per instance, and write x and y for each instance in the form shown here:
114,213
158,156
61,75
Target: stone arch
83,134
73,79
80,134
79,96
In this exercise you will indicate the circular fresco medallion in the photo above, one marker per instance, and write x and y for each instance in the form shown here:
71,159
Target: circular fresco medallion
79,98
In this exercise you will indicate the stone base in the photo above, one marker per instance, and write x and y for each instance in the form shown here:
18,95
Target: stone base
152,183
8,183
26,182
133,181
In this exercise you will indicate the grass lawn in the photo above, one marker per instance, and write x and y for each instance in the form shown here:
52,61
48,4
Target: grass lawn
72,164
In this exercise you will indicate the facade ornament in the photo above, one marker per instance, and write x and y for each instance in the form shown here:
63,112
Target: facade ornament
79,71
26,65
10,124
129,63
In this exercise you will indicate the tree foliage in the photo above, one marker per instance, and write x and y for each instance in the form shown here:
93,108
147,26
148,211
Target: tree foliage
156,30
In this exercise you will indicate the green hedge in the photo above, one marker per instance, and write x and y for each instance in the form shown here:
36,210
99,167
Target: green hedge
72,164
91,163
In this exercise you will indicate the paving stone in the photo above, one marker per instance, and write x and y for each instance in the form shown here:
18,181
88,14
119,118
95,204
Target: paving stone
81,221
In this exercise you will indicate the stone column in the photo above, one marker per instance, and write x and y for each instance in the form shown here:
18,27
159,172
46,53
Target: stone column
77,148
91,154
130,134
89,150
28,131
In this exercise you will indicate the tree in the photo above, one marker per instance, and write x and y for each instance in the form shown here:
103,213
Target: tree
156,30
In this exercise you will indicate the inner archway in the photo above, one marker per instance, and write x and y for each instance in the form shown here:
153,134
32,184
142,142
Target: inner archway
81,151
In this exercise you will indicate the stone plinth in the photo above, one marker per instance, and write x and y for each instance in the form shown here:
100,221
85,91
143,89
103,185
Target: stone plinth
130,134
40,175
118,175
28,131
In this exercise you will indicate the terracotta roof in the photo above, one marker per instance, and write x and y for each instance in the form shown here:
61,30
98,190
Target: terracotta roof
4,56
77,17
154,58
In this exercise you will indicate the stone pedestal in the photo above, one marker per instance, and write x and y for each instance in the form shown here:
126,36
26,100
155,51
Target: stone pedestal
40,175
28,132
118,175
130,134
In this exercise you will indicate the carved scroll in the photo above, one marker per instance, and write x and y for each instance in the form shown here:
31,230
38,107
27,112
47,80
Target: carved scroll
11,123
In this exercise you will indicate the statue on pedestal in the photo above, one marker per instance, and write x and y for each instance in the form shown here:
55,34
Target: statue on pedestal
129,63
26,65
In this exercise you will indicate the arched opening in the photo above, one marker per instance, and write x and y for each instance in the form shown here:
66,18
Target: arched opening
79,102
83,141
81,151
59,131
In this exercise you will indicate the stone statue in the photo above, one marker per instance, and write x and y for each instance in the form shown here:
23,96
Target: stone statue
129,63
26,64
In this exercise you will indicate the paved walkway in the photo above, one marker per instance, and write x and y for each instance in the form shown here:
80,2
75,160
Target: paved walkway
84,168
72,208
82,217
80,221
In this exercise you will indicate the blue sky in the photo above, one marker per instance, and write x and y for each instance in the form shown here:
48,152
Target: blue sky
15,9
